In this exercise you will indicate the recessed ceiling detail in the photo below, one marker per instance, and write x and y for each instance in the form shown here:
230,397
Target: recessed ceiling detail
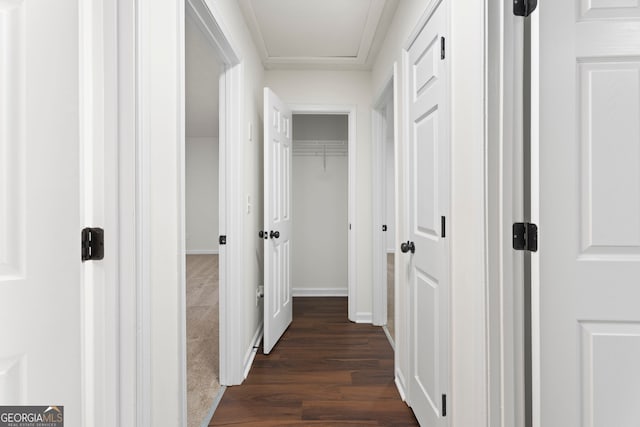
312,33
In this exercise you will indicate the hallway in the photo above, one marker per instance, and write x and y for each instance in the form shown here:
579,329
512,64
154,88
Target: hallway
324,371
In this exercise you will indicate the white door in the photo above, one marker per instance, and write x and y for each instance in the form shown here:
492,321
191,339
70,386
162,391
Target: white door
428,157
278,303
586,273
41,322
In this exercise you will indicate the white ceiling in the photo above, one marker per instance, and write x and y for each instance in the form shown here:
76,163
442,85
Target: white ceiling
202,73
318,33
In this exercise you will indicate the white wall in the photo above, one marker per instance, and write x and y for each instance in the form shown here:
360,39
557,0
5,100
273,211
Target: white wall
201,197
467,205
341,88
320,210
160,45
233,22
390,171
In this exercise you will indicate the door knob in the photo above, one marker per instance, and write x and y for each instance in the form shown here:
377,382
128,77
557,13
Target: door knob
274,234
408,246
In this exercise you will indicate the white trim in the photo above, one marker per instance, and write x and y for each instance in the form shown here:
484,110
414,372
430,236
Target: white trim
132,372
349,110
230,185
363,317
182,223
503,179
232,321
143,221
202,252
401,385
391,342
214,406
320,292
250,353
379,197
536,313
99,203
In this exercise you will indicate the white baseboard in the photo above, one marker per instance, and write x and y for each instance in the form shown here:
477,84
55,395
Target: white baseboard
320,292
400,385
365,317
386,332
252,350
202,252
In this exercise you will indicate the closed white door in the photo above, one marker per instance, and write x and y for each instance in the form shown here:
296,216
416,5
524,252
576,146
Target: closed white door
41,322
278,303
428,156
586,176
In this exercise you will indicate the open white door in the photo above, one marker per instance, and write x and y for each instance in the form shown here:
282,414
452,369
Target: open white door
42,322
278,303
586,173
429,168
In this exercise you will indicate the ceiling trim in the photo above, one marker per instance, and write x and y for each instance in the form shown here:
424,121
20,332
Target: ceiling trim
254,27
368,43
373,20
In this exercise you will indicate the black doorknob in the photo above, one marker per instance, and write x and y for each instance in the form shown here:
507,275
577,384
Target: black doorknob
408,246
274,234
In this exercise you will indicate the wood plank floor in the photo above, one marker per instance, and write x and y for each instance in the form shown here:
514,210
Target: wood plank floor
324,371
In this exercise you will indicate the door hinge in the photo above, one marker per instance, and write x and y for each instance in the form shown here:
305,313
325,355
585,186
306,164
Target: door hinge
442,49
92,244
444,405
222,240
384,227
443,226
524,7
525,236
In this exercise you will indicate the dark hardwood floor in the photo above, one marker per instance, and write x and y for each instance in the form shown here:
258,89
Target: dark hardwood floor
324,371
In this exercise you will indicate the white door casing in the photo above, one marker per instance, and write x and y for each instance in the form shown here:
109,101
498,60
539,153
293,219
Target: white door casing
278,302
428,157
586,201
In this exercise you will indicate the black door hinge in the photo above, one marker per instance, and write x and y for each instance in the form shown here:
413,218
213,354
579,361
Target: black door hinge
442,50
92,244
222,240
525,236
443,226
444,405
384,227
524,7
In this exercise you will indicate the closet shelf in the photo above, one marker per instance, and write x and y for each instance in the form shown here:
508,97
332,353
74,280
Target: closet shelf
320,148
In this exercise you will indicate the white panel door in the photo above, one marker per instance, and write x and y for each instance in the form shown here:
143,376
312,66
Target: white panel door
278,303
40,267
428,156
587,177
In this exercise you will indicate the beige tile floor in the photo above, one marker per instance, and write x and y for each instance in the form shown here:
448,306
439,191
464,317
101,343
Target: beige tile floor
202,336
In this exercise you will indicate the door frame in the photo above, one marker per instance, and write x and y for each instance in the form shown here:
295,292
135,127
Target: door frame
387,96
504,182
149,34
229,199
350,112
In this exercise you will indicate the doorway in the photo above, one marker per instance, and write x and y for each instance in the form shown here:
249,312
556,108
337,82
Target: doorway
384,202
320,171
202,73
278,159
